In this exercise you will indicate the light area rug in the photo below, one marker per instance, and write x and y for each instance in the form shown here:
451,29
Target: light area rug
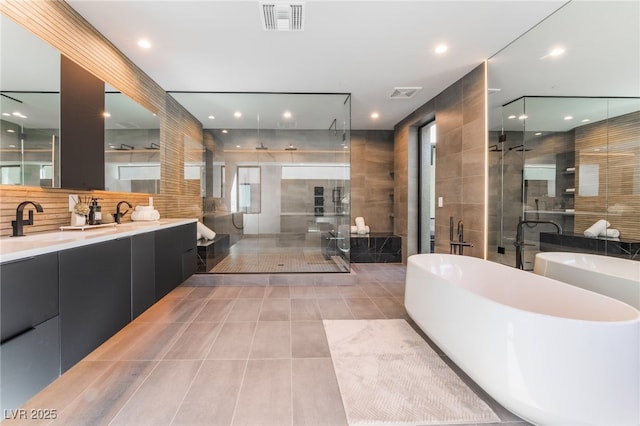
388,375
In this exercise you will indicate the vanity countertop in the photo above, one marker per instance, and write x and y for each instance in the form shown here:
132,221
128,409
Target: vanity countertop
15,248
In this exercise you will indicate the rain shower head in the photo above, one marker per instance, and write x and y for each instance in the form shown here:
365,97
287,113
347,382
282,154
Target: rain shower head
519,148
124,147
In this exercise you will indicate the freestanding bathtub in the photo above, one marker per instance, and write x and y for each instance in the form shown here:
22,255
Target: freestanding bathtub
550,352
612,276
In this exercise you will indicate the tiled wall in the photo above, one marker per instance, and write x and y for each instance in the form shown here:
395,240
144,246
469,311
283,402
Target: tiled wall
372,178
461,149
618,162
59,25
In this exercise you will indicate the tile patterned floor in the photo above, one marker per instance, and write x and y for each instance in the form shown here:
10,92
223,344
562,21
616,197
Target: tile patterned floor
230,355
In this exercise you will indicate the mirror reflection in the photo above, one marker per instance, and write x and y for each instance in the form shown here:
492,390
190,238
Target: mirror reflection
132,146
30,108
560,164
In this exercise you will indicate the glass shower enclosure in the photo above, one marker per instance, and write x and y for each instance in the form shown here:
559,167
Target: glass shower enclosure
277,179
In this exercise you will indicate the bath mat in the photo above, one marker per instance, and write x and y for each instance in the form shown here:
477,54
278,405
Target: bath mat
388,375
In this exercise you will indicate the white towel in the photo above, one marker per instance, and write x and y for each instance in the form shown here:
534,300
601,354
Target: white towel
204,232
360,225
594,230
610,233
144,208
145,215
354,229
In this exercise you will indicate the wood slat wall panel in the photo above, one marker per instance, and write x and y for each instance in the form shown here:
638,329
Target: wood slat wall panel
618,198
67,31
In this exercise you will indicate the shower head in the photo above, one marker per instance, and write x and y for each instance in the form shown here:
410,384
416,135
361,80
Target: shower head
124,147
519,148
291,148
261,147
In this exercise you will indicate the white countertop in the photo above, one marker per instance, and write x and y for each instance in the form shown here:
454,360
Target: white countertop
15,248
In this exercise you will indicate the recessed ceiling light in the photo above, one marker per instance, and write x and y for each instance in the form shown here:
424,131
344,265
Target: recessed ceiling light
225,131
144,43
556,51
237,146
511,117
569,117
287,114
19,114
523,117
441,48
6,114
585,120
11,131
237,114
375,115
106,114
538,133
211,117
12,146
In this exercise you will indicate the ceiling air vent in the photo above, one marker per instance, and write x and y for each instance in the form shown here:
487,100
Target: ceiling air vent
282,16
404,92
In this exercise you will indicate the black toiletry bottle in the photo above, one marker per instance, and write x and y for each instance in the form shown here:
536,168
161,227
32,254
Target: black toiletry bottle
95,212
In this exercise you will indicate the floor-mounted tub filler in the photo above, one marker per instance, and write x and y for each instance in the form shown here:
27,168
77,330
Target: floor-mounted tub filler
550,352
612,276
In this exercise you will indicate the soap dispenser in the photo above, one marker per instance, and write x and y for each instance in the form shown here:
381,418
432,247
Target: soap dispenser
95,212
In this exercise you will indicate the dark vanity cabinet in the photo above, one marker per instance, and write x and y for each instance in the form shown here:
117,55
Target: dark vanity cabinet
95,296
30,351
176,257
143,273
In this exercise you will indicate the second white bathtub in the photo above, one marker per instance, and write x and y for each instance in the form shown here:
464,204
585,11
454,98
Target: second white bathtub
612,276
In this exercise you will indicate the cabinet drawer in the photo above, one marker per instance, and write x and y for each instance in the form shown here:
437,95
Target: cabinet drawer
29,293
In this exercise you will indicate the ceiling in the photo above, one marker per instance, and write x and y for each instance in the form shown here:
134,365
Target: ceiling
365,48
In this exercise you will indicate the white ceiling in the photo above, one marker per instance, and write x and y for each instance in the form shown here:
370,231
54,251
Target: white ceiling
365,48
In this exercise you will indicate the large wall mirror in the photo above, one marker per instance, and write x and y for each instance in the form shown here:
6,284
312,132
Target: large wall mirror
564,136
30,122
30,108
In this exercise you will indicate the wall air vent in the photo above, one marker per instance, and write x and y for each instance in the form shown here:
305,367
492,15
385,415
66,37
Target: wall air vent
404,92
282,16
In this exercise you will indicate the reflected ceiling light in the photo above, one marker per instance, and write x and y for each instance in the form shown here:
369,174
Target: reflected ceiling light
11,131
237,146
6,114
586,120
523,117
237,114
19,114
12,146
569,117
211,117
106,114
556,51
225,131
511,117
538,133
375,115
144,43
287,114
441,48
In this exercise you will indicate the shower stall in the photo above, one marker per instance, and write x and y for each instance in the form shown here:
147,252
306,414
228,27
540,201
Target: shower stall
557,166
277,179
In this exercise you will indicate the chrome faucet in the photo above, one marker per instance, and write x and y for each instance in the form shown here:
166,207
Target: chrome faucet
519,243
457,247
117,215
19,223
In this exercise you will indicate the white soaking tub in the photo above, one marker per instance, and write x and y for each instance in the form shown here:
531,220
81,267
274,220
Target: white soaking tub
612,276
550,352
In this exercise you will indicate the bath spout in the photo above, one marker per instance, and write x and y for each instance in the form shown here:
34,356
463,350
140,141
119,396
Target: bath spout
520,243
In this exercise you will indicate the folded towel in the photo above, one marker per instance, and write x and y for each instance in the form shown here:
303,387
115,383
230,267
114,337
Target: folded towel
610,233
204,232
594,230
354,230
144,208
145,215
361,228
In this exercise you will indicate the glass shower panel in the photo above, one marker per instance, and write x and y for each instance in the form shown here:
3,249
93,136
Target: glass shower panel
286,159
